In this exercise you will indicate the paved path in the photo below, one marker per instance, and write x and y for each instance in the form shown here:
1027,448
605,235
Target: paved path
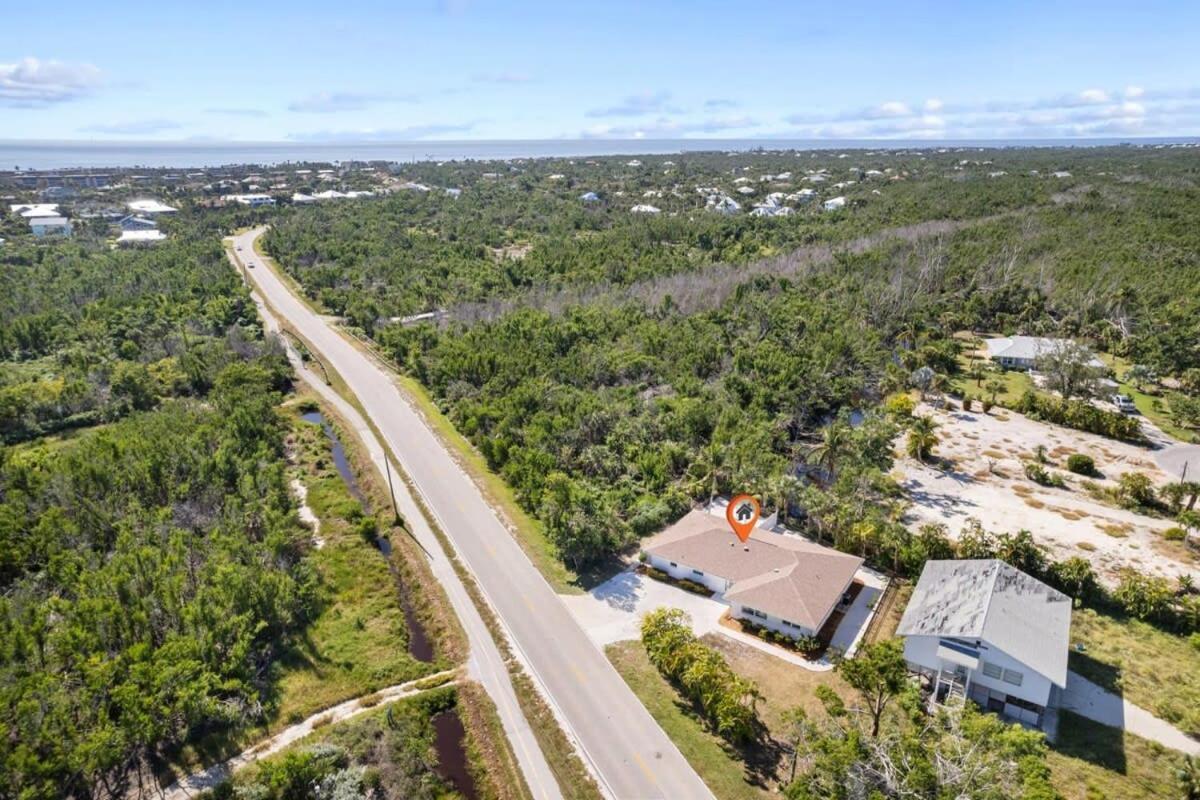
629,753
1175,459
1089,700
484,663
207,779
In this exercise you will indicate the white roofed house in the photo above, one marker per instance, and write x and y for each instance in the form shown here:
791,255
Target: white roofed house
1022,352
150,208
984,630
644,209
834,204
132,238
136,223
50,226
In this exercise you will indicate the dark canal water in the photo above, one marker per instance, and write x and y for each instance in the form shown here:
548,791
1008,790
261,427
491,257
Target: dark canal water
420,646
452,757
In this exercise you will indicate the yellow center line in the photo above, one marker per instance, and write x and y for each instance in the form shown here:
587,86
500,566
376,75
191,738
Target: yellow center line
645,768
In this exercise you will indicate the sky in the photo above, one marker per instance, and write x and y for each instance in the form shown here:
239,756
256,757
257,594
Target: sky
260,70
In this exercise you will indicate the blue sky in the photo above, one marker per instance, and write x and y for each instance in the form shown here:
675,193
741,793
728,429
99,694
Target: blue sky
474,69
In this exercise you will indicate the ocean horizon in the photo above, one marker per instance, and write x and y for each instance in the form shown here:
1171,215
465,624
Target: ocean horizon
58,155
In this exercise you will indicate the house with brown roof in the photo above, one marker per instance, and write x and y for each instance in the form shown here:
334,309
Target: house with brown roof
775,580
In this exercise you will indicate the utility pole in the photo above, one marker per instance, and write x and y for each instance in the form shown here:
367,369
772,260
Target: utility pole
397,520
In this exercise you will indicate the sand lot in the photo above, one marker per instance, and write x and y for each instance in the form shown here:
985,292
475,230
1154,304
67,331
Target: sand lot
988,483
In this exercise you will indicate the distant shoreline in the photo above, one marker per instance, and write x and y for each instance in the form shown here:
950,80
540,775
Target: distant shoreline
65,154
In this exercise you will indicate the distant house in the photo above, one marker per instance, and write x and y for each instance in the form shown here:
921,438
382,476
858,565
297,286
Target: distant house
302,199
1022,352
983,630
722,204
645,209
834,204
150,208
136,223
30,210
454,192
133,238
590,197
253,200
777,581
50,226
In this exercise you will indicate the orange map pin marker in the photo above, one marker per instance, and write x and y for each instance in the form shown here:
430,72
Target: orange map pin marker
742,514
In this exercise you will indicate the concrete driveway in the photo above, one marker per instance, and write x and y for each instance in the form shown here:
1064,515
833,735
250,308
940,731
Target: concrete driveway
1089,700
613,611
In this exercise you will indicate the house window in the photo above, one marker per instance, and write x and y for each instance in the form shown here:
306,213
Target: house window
698,572
753,612
1013,677
993,670
789,624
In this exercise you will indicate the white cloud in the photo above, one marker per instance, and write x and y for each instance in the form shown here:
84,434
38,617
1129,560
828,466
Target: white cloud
636,105
141,127
665,128
336,102
32,82
1091,112
894,108
420,131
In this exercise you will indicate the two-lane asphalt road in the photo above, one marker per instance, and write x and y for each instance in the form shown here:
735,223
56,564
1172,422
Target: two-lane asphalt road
632,756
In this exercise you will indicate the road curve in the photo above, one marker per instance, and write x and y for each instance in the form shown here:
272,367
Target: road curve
628,751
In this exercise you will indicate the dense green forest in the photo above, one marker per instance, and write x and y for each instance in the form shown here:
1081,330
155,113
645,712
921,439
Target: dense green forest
151,567
638,363
88,334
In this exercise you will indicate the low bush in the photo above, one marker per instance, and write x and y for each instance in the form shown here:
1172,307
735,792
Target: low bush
1039,474
1081,464
1175,534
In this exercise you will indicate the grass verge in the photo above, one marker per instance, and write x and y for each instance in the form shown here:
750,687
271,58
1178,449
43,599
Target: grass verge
1154,669
718,763
1091,761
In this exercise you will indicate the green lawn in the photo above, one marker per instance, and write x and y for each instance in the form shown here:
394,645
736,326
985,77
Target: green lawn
1155,409
1151,668
720,765
1091,761
359,641
1015,382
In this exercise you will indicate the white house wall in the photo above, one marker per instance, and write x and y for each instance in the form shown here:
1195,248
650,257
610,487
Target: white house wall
681,571
773,623
1034,688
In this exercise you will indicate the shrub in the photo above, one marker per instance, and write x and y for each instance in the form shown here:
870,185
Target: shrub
986,405
966,402
1174,534
899,406
1039,474
1081,464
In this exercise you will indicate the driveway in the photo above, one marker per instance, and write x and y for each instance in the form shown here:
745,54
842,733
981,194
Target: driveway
1089,700
613,611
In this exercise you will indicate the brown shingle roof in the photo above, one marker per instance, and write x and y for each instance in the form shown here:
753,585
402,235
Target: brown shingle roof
782,575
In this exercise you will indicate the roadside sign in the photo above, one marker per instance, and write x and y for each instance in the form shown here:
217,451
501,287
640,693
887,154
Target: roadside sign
742,515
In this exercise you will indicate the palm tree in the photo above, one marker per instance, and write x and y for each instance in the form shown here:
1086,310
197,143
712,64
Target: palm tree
994,387
922,437
784,491
711,465
835,441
